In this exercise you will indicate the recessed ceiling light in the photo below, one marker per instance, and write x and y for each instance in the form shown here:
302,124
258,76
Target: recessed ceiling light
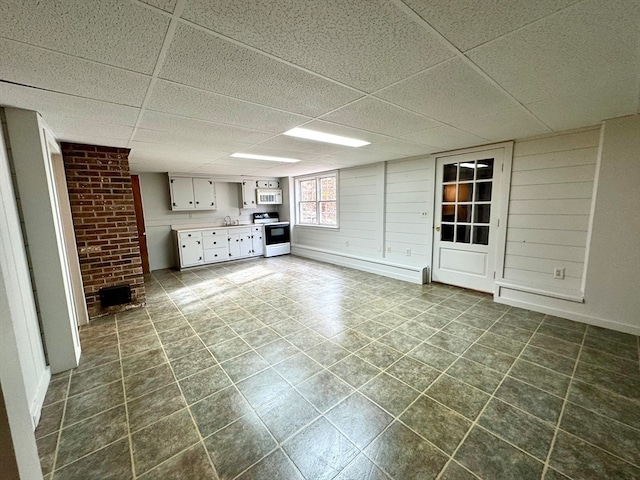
325,137
264,157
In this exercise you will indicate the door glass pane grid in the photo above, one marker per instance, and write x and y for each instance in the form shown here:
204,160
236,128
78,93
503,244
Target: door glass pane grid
466,202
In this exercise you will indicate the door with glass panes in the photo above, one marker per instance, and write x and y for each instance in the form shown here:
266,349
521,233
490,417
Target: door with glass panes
466,219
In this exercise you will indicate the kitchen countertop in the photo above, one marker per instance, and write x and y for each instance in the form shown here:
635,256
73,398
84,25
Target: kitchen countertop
211,227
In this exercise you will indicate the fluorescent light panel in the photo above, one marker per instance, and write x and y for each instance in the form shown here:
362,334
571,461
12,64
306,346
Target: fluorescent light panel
264,157
325,137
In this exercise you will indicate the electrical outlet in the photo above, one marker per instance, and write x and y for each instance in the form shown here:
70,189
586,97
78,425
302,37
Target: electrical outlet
388,249
408,252
558,273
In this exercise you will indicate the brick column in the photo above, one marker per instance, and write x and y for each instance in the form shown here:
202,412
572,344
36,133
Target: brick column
99,186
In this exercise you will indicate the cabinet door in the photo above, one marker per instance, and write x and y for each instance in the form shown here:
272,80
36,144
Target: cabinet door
274,184
204,194
234,245
258,246
191,251
246,246
182,193
249,194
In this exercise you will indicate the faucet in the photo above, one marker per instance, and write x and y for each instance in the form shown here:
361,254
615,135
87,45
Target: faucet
227,221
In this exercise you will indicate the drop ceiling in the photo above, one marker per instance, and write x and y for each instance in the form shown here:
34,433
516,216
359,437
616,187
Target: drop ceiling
186,83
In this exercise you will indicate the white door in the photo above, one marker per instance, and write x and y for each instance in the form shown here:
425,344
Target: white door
466,219
204,193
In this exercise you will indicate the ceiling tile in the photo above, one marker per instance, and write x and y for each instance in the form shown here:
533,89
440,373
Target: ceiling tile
460,23
200,128
377,116
59,104
278,152
581,48
301,145
37,67
166,5
187,140
400,147
205,61
358,156
446,137
590,108
448,92
504,125
367,45
190,102
344,131
89,139
107,31
65,126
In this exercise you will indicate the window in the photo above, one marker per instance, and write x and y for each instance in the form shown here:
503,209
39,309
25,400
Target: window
317,200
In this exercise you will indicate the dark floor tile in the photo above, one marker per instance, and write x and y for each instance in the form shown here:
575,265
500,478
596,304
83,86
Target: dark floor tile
277,351
458,396
287,327
305,339
320,451
502,344
161,440
183,347
327,353
614,406
350,340
50,419
96,377
218,336
139,345
579,460
389,393
94,401
243,366
47,451
399,341
324,390
530,399
489,457
403,454
555,345
545,358
276,465
433,356
389,318
510,331
193,460
92,358
238,446
143,361
218,410
521,312
554,475
141,330
172,323
520,322
610,362
154,405
455,471
475,320
441,426
379,354
413,373
359,419
354,370
540,377
193,363
463,331
229,349
96,432
262,336
518,428
263,387
57,390
113,461
362,468
614,437
606,379
138,384
286,414
423,326
573,336
489,358
297,368
475,374
450,343
204,383
611,335
371,329
486,312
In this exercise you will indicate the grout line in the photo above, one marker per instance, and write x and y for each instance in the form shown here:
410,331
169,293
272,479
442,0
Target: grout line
64,413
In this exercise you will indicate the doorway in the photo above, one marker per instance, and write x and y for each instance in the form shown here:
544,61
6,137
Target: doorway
471,197
142,233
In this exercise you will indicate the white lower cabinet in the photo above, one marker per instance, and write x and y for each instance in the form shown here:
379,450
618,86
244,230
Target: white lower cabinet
199,247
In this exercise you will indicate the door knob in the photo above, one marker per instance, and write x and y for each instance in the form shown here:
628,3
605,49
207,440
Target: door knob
437,229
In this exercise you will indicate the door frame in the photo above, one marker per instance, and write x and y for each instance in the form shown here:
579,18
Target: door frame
140,226
504,192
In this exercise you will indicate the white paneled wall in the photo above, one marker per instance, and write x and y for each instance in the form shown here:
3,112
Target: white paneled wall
409,210
549,209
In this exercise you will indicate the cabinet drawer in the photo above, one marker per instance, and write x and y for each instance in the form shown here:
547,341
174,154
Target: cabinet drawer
214,233
255,230
185,235
217,241
216,255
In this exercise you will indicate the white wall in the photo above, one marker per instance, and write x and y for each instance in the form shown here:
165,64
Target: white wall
24,375
159,218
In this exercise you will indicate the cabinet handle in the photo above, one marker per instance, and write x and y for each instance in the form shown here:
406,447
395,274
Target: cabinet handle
190,203
175,204
198,242
197,203
215,255
199,258
184,246
215,243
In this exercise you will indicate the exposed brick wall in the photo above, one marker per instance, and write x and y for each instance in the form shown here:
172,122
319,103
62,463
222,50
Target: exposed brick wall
99,186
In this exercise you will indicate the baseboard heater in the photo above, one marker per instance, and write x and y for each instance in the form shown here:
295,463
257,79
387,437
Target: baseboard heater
116,295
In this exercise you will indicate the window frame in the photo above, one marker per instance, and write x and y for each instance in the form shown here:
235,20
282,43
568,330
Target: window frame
318,201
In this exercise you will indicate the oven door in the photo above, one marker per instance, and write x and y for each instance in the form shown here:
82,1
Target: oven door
276,234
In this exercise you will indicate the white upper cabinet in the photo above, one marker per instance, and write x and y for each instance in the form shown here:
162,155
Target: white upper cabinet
192,193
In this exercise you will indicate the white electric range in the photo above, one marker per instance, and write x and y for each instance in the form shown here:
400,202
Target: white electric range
277,236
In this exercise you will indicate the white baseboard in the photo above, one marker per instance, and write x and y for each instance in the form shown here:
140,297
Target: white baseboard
35,409
561,312
380,267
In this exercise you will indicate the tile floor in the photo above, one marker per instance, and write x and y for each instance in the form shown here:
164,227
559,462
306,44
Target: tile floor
284,368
